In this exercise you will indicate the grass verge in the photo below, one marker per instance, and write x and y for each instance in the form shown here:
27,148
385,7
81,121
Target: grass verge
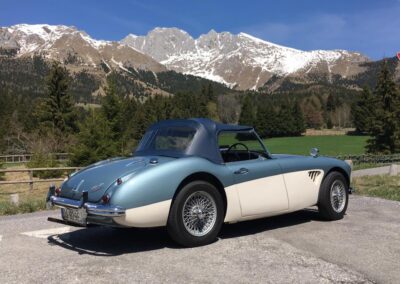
29,200
24,206
384,186
363,166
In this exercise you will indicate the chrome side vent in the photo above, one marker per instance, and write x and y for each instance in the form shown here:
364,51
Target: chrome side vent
313,175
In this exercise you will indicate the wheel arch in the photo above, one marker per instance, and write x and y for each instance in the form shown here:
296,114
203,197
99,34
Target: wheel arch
204,176
340,170
334,169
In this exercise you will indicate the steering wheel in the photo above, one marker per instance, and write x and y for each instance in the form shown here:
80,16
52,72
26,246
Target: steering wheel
236,154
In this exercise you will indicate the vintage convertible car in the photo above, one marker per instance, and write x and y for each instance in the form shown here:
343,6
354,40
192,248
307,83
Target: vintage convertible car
193,175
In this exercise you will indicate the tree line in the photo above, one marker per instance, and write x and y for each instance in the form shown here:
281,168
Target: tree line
55,122
271,120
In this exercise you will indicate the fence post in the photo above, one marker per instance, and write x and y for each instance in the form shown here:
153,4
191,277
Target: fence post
393,170
31,180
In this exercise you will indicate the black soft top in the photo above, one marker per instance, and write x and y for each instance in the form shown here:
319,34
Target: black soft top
204,143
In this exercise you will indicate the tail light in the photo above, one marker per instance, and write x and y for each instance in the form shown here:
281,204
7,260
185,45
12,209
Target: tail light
57,191
105,199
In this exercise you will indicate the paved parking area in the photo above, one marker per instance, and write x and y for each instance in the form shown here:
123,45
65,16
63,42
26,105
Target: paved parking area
297,247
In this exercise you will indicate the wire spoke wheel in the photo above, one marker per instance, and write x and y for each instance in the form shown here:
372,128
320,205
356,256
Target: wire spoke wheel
199,213
338,196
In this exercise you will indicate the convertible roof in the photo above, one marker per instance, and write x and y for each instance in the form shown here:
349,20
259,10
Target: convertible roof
205,142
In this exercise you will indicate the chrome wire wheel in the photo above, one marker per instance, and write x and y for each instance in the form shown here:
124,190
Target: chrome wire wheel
338,196
199,213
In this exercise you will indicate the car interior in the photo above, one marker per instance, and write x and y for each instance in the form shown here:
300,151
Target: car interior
239,146
238,155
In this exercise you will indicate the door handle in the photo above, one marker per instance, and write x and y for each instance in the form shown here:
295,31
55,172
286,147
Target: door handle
241,171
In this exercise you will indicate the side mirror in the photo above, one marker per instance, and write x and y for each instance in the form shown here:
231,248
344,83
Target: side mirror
314,152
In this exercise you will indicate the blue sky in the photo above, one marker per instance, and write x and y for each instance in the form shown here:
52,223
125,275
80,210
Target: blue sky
370,26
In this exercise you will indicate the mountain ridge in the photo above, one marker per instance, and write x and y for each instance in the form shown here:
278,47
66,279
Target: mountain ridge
63,43
240,60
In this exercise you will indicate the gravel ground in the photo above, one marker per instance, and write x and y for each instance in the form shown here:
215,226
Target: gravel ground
298,247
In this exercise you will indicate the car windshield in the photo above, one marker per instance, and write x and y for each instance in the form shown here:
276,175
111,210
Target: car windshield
176,139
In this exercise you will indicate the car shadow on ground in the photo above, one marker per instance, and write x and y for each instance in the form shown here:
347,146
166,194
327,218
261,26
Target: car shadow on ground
104,241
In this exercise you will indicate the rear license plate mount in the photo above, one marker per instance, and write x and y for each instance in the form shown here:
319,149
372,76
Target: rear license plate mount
76,216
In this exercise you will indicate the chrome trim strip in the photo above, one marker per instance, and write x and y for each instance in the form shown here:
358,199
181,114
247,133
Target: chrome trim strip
104,210
65,202
91,208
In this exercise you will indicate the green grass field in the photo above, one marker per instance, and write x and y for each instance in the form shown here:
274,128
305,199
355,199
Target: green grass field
327,145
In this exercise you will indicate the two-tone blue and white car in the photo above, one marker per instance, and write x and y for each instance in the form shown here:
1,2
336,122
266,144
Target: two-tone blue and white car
193,175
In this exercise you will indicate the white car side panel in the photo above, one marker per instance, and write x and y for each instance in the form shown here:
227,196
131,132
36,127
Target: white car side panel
302,192
255,197
152,215
302,189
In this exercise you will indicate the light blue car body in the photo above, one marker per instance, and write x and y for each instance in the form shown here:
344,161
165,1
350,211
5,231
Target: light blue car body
148,178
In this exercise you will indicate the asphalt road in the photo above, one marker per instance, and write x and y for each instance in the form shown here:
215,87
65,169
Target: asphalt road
373,171
363,247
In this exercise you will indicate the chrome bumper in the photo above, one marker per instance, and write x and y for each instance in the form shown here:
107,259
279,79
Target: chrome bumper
91,208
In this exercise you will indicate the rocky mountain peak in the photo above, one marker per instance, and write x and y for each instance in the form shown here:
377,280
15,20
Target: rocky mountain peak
240,60
72,46
161,43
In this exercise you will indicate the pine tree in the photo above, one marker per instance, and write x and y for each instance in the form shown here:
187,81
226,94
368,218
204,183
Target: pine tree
142,123
385,125
202,103
95,141
57,111
112,110
363,111
299,123
332,102
6,109
248,114
210,93
266,120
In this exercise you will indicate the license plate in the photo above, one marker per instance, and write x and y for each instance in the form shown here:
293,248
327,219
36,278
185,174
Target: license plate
77,216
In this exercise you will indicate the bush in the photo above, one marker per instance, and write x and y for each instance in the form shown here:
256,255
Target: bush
41,160
26,206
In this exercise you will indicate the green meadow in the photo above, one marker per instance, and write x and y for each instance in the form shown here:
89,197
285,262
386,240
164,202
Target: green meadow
327,145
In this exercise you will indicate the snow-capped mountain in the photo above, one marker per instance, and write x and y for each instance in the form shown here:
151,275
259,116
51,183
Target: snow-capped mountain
72,46
239,60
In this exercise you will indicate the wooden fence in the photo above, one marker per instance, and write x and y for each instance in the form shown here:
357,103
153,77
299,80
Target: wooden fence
31,181
24,158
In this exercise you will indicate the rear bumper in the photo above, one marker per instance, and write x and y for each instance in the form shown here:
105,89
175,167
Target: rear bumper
91,208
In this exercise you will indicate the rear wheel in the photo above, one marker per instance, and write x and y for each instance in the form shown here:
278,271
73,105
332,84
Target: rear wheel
196,215
333,196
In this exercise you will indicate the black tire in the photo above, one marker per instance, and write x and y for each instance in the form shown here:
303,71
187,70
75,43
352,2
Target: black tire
175,225
325,207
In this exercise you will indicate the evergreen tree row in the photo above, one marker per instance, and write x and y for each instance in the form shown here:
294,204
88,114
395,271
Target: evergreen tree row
271,120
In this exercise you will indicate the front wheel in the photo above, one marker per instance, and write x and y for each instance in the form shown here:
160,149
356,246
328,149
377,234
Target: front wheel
196,215
333,196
